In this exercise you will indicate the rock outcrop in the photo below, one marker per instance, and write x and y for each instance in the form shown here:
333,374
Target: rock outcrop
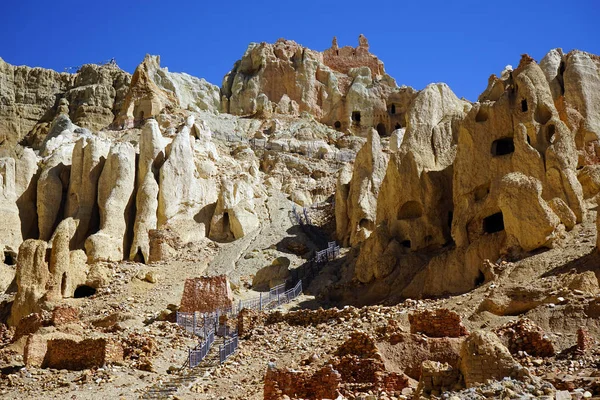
234,215
357,209
30,98
413,209
89,156
185,198
435,191
345,88
32,276
150,159
115,198
153,89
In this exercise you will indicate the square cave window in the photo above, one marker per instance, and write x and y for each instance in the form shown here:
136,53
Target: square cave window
356,116
503,146
494,223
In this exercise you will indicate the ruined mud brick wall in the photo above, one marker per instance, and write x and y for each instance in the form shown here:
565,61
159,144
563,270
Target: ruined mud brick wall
64,315
79,355
359,344
370,372
354,369
525,335
206,294
437,323
345,58
248,320
323,384
311,317
585,341
440,377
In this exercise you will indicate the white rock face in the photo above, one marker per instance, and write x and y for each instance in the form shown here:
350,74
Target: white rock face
26,169
582,90
10,232
89,155
361,203
191,92
234,215
396,139
53,181
183,194
151,151
115,194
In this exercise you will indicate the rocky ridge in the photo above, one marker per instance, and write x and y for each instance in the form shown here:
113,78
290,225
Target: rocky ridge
115,188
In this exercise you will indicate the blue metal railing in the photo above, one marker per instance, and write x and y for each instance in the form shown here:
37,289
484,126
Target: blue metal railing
228,348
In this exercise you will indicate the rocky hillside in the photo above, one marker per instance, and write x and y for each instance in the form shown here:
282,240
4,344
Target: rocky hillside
117,187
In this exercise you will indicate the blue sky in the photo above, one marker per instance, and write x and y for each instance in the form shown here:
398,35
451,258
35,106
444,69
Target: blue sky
457,42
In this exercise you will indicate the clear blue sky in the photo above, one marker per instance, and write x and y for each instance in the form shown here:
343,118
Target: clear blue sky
457,42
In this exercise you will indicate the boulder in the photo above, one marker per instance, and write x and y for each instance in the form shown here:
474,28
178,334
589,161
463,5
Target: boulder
32,276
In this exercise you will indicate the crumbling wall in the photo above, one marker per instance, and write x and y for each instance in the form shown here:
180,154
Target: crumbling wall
585,341
525,335
437,323
206,294
248,320
78,355
438,377
322,384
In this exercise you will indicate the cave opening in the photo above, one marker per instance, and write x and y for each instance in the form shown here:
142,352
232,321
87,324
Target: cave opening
381,129
503,146
139,256
63,284
9,258
356,116
550,133
84,291
524,107
225,221
393,109
494,223
337,125
405,243
480,279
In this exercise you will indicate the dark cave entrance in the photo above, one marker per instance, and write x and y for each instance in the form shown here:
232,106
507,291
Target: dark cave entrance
9,258
494,223
84,291
503,146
